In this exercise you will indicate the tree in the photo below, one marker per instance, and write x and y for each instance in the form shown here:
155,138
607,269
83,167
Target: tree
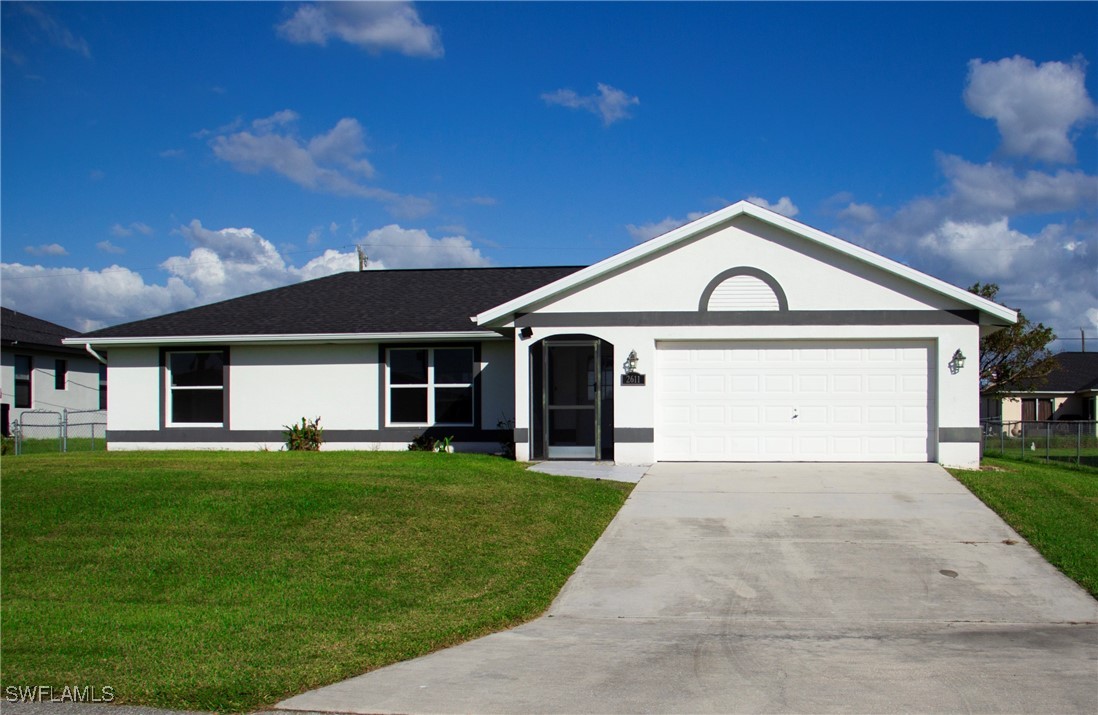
1017,355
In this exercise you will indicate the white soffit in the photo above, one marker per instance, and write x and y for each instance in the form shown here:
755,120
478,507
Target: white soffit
503,313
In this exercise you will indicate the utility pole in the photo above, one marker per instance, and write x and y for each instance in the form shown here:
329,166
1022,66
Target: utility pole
363,259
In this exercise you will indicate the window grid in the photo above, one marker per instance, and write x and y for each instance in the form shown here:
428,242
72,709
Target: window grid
431,387
173,388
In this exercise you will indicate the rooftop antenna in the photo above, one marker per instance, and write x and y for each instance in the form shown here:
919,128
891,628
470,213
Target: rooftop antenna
1083,339
363,259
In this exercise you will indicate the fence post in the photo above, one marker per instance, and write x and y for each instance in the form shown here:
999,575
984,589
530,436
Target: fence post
1023,439
63,428
1078,443
1048,441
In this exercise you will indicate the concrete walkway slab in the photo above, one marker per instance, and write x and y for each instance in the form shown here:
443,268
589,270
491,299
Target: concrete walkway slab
593,470
777,588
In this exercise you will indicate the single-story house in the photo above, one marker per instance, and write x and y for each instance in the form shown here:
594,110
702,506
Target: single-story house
1068,392
39,372
741,336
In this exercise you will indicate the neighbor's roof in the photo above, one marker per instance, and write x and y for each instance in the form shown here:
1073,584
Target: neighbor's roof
21,329
1074,372
502,314
367,303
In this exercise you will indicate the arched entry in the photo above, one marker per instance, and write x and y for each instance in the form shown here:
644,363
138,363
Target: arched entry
572,398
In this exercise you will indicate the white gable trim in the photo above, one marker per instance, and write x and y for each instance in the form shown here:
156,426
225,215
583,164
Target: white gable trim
503,313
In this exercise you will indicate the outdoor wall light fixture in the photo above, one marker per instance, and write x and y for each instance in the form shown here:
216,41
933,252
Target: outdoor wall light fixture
526,332
630,364
957,362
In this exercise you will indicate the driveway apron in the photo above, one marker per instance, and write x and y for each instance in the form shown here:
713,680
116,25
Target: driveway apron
810,588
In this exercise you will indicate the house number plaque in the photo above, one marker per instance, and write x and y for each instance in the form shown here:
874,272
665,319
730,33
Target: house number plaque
632,378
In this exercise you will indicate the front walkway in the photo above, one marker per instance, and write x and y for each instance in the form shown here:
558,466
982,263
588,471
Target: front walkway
777,588
594,470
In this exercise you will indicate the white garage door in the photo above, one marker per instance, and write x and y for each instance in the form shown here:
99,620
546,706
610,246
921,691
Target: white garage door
793,401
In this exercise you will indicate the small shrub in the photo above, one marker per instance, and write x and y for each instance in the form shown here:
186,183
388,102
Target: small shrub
7,445
422,443
426,443
305,437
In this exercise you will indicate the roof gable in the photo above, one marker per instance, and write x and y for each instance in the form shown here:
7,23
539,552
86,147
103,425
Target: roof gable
813,240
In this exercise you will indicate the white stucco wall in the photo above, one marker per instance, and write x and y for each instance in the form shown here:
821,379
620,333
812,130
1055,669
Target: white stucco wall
497,384
270,386
81,390
133,389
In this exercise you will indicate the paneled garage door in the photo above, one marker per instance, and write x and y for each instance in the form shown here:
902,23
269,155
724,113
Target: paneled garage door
793,401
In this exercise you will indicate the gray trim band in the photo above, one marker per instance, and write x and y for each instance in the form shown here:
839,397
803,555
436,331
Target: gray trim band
769,280
749,318
521,434
634,435
952,435
220,434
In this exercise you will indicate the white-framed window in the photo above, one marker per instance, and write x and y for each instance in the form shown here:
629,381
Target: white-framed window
196,388
430,386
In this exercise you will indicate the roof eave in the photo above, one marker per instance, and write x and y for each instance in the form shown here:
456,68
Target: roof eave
287,339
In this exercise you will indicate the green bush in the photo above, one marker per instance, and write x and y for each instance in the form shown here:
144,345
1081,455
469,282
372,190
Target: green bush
305,437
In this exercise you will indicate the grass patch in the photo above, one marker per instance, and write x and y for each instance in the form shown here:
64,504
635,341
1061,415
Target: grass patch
228,581
1054,506
52,445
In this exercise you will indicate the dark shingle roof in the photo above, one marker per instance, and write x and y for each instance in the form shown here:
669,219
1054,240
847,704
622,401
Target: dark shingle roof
21,329
1073,372
381,301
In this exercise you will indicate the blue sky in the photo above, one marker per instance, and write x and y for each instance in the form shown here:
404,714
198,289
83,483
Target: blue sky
158,156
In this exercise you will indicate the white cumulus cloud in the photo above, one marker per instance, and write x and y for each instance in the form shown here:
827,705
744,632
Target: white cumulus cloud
646,231
373,26
395,247
108,247
135,227
610,103
331,162
1034,105
783,206
47,249
222,263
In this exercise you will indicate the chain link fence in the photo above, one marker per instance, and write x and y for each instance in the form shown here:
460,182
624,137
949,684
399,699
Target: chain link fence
1074,441
39,431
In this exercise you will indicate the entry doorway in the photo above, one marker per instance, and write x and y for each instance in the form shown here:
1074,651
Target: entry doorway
573,405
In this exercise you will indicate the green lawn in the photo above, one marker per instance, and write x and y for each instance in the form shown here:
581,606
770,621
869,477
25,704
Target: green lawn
1054,506
73,444
227,581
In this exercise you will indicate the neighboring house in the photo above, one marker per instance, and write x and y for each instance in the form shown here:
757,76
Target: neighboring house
1067,393
38,372
755,338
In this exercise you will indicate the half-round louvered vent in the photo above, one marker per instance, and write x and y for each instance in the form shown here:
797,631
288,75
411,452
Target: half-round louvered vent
743,293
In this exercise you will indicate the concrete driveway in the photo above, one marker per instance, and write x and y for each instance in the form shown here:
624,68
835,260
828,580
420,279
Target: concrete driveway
777,588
